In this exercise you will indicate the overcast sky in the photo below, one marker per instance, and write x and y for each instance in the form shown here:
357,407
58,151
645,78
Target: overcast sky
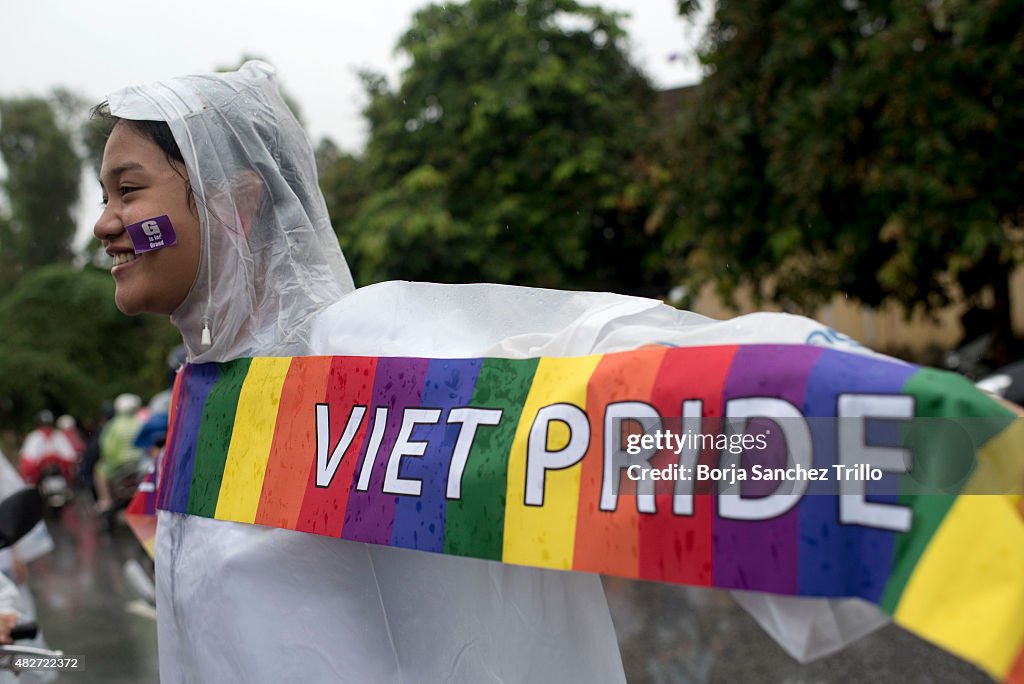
317,47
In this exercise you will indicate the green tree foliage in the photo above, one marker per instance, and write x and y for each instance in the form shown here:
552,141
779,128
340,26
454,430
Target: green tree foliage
343,182
512,151
66,347
871,147
95,132
41,187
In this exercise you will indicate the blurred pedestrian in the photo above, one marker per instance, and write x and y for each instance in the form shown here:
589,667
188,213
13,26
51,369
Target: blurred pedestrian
87,466
117,447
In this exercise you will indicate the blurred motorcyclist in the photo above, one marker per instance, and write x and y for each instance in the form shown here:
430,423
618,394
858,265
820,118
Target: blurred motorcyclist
44,446
69,427
117,449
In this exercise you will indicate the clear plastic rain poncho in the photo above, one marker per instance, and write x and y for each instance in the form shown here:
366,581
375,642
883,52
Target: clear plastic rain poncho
270,260
246,603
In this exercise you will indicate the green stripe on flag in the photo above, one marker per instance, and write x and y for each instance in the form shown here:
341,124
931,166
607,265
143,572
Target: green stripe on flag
215,437
475,524
958,420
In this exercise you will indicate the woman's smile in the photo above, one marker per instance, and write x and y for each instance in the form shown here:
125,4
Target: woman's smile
122,259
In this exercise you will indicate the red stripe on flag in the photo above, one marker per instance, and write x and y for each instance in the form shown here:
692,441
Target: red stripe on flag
350,384
678,548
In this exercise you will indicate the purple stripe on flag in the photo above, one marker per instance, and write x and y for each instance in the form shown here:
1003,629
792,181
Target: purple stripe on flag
370,514
198,385
762,554
420,521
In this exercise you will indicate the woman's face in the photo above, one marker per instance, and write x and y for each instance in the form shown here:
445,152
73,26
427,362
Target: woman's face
139,183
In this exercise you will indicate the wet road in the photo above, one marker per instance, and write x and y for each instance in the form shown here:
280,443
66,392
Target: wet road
683,635
668,634
85,606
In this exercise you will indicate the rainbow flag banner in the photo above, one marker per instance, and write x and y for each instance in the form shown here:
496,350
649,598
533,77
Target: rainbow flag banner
710,466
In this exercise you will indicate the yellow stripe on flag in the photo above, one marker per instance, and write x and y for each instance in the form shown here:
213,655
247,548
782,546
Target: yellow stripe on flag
543,536
1000,463
247,456
967,592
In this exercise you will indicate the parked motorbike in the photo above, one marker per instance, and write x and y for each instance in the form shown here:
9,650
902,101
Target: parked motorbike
19,513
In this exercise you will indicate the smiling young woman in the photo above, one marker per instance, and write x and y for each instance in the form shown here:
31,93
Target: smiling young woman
256,271
142,180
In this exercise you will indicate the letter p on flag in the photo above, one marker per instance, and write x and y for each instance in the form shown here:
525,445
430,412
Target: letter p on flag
539,459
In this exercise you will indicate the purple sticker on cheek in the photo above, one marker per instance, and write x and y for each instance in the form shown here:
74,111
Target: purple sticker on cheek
151,234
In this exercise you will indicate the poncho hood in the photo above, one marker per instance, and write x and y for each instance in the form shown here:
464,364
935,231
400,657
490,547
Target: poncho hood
270,260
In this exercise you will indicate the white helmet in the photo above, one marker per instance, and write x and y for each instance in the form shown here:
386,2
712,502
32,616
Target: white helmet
127,403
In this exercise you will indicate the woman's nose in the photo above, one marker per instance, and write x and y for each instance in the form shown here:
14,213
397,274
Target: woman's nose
108,225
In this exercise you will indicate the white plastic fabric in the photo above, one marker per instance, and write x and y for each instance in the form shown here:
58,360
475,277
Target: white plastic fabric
810,628
245,603
9,596
9,603
38,542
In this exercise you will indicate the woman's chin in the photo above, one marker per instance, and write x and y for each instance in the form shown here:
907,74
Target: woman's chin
132,302
127,304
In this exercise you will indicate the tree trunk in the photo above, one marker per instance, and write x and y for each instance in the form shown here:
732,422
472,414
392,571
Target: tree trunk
1005,345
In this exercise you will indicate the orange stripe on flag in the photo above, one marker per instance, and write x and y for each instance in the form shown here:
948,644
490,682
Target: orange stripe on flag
293,451
606,541
1017,672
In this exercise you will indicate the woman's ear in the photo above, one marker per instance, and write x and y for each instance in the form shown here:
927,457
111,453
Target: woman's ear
247,192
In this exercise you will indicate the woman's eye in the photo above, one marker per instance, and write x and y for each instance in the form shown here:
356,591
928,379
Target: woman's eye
124,189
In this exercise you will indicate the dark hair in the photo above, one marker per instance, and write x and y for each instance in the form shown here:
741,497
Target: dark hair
157,132
160,134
